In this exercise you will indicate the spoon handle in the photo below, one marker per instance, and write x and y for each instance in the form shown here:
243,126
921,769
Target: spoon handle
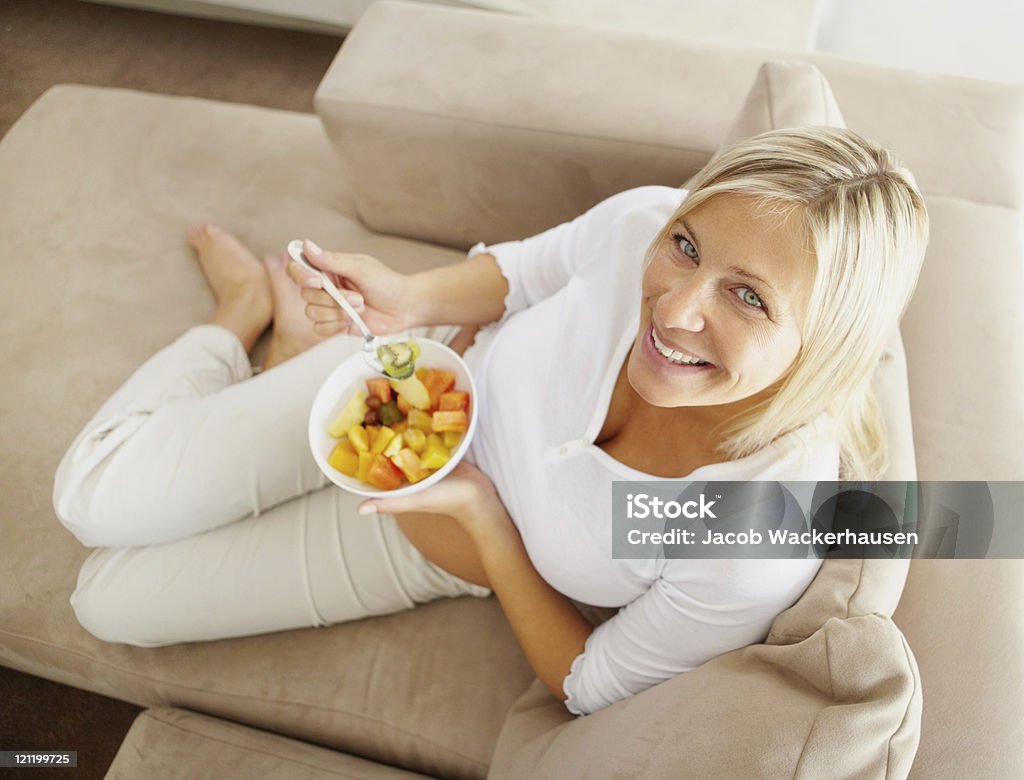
335,293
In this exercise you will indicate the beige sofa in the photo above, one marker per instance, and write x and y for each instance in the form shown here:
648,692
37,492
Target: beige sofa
451,127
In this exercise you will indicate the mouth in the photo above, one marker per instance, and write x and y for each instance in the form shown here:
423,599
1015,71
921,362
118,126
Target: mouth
673,360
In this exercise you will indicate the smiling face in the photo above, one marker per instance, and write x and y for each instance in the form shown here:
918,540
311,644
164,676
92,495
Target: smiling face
728,286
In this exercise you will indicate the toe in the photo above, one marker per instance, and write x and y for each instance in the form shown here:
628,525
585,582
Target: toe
199,234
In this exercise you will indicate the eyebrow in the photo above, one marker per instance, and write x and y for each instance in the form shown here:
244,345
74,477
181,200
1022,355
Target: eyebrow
734,269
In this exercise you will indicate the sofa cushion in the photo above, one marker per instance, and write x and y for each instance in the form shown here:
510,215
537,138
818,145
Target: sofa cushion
97,276
785,93
171,743
843,703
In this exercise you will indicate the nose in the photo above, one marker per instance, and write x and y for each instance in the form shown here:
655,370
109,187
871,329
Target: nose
682,306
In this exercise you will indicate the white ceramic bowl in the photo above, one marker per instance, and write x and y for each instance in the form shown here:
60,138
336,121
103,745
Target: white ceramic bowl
351,376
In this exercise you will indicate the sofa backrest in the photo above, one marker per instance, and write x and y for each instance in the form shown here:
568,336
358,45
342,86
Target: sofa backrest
465,126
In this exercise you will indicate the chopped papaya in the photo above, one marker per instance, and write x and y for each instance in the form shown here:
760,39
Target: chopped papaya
409,464
380,388
437,383
453,401
435,455
450,421
344,458
383,473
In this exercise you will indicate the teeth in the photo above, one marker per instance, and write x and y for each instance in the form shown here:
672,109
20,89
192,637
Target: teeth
675,356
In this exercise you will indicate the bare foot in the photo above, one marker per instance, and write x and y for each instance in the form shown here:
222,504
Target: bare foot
293,331
239,282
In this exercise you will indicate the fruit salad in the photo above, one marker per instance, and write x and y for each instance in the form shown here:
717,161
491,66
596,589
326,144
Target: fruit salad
399,431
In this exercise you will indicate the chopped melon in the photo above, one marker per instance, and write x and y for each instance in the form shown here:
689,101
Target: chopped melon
353,413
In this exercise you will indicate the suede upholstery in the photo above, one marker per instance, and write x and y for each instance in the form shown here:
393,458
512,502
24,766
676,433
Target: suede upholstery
175,744
456,127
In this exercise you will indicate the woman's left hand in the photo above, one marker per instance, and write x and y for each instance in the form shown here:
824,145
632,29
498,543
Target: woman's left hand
466,494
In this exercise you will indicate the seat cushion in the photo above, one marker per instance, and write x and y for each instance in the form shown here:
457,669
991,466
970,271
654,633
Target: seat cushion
172,743
97,276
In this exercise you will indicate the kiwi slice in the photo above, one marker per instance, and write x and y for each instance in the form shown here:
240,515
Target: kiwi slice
398,358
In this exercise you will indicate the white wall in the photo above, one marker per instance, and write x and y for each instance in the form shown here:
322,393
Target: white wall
978,38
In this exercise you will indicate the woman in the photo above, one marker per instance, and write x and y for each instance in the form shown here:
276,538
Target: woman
739,346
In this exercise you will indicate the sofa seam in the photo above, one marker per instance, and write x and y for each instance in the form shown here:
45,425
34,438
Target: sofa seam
521,128
241,697
814,723
150,714
906,712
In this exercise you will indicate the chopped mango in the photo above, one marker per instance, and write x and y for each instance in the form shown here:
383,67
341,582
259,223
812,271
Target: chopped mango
353,413
365,459
450,421
344,458
435,455
451,439
416,440
413,391
409,463
379,387
357,435
381,440
371,434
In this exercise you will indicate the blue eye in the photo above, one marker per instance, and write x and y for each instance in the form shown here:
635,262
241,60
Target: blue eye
688,248
750,297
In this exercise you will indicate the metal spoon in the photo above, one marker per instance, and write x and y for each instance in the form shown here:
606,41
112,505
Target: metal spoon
371,343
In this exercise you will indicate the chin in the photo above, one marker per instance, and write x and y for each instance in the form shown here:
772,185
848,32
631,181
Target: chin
653,391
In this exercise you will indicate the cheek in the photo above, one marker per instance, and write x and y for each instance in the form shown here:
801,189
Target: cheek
785,348
656,277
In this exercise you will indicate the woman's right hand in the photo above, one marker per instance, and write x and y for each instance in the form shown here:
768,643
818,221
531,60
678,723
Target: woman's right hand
383,297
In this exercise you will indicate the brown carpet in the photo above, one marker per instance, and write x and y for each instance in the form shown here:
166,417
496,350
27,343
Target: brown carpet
46,42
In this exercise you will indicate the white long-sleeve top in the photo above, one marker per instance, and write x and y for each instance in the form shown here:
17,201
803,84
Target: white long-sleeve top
545,374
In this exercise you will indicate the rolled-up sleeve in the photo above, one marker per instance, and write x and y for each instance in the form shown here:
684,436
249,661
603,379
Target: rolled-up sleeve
538,267
679,624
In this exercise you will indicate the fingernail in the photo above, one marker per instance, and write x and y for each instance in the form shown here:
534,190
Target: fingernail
355,300
367,509
314,282
314,249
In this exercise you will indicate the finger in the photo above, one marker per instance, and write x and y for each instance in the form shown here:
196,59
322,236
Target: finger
391,506
340,265
302,277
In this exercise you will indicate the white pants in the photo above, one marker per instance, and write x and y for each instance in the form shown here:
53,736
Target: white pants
212,520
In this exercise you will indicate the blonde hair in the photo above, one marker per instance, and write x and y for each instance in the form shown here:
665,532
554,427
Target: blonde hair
867,225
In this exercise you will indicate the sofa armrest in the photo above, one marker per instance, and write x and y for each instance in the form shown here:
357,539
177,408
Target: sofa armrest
461,126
